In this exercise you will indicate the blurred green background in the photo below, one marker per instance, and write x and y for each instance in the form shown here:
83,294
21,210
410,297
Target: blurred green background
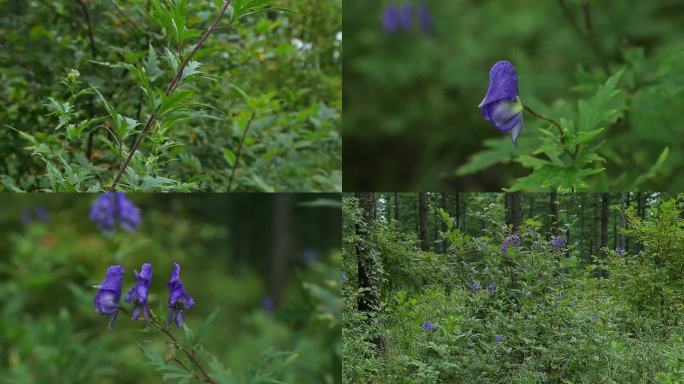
410,98
234,250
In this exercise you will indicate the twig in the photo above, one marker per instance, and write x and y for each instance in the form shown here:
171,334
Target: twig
239,152
560,129
191,356
93,54
589,37
172,86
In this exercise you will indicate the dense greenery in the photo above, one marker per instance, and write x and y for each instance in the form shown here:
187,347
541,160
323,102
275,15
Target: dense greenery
254,264
490,305
608,72
257,107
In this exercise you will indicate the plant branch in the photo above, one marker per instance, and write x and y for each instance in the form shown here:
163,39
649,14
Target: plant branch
589,37
239,152
540,116
172,86
93,54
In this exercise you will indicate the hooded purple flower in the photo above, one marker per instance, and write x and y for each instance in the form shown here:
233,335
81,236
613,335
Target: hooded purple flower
138,294
619,251
501,105
390,19
498,338
474,286
29,215
428,326
425,18
510,240
179,300
109,294
558,242
113,208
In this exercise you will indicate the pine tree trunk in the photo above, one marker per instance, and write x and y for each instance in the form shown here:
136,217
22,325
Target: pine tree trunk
368,300
605,212
514,210
422,221
553,204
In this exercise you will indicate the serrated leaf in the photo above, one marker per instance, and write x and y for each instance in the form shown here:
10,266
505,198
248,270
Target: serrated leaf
653,171
602,107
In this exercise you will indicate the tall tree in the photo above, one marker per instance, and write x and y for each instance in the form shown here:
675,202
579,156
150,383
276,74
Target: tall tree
396,206
422,221
445,207
583,198
368,300
597,225
605,212
553,205
514,210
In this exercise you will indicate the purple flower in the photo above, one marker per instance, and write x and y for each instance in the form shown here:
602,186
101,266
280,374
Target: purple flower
405,17
108,296
344,277
425,18
390,19
113,208
501,105
267,304
474,286
498,338
428,326
558,242
490,287
619,251
29,215
510,240
179,300
309,255
138,294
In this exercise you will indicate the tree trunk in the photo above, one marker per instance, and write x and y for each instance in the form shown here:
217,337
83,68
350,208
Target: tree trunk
281,246
583,199
628,203
422,221
605,212
445,207
396,206
530,197
597,225
368,300
553,204
514,210
458,210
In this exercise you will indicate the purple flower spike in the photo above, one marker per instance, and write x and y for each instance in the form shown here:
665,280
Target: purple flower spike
502,105
558,242
425,18
179,300
113,208
428,326
109,294
390,19
138,294
498,338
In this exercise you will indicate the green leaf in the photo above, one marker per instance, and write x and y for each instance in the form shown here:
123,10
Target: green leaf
229,156
602,107
657,167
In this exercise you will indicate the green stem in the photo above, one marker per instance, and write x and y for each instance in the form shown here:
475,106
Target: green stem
555,124
239,152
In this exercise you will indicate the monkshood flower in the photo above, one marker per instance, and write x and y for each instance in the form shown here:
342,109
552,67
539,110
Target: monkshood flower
474,286
490,287
619,251
390,19
501,105
510,240
558,242
425,18
428,326
108,296
29,215
113,208
138,294
498,338
179,300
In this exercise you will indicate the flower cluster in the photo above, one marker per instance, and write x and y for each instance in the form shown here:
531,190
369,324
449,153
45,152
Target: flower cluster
428,326
108,296
501,105
396,18
474,286
113,208
559,242
29,215
619,251
510,240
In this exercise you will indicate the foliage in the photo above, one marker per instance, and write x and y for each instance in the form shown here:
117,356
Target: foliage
50,333
257,107
608,72
530,314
